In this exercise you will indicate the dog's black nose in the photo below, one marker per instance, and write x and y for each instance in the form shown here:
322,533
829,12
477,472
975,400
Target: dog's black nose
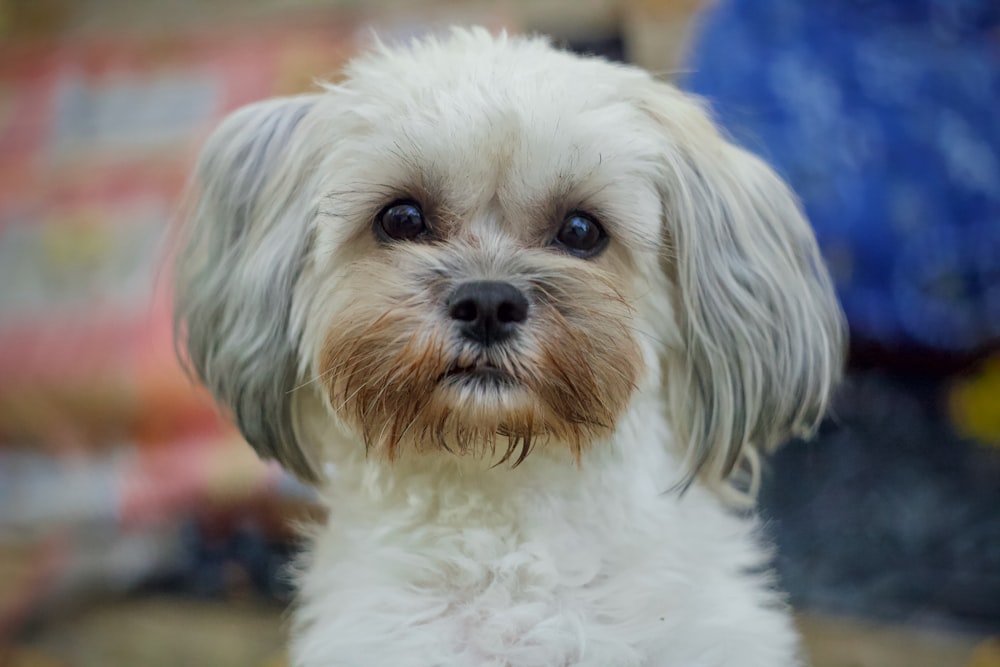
487,311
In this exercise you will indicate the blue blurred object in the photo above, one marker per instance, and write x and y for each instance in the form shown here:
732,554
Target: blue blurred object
884,115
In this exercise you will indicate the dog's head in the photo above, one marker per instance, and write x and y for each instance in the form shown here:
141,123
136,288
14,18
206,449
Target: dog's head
478,244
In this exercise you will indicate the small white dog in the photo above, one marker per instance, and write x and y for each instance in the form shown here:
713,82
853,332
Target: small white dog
528,318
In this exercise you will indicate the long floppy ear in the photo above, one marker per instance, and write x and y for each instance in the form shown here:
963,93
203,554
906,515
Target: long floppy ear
242,248
762,333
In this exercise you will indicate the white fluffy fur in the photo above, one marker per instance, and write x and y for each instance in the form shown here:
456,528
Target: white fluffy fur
437,560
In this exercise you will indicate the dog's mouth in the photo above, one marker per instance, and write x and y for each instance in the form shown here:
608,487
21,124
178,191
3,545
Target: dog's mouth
482,373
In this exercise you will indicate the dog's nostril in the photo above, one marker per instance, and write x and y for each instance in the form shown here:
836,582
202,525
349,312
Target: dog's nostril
464,310
513,311
489,311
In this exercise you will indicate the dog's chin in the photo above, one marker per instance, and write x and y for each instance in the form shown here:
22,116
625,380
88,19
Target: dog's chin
475,409
479,410
483,378
486,397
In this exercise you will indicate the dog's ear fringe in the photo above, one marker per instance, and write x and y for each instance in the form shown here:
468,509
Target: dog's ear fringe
239,252
763,335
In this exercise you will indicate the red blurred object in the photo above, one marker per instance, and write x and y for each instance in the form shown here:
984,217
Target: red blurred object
96,138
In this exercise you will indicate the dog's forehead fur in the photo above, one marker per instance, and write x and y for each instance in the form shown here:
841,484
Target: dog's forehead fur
506,135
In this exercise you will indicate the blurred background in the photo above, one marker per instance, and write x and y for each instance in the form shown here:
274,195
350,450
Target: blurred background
137,529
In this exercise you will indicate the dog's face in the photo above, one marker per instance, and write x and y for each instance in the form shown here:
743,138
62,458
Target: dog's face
476,249
480,244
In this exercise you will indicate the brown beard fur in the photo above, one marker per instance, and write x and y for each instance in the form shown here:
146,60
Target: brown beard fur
386,372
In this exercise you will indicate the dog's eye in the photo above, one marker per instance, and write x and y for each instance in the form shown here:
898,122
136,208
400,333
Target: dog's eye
401,221
581,235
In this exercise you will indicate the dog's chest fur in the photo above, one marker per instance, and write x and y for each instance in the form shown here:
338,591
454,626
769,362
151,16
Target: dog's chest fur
548,565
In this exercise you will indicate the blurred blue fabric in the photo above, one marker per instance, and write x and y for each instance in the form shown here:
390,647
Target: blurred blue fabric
884,115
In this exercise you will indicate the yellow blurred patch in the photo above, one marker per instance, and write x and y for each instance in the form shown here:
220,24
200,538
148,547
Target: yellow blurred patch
974,403
987,654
